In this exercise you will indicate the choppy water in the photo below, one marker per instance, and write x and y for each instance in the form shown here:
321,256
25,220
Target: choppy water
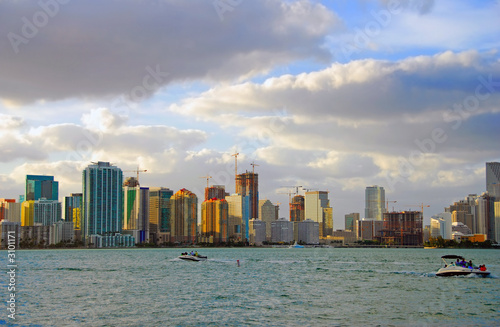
272,287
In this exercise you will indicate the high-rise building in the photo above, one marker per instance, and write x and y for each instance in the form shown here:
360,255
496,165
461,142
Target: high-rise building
350,221
215,191
136,210
402,228
308,232
184,222
368,229
493,179
4,205
40,186
13,212
214,221
268,213
441,226
73,209
28,213
257,231
374,202
160,214
317,208
102,200
297,208
237,226
247,184
282,231
47,212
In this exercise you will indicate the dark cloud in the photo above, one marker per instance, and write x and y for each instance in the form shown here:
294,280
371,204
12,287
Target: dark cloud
132,47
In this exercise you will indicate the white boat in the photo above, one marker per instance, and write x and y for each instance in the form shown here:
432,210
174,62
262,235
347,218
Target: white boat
460,267
193,257
296,246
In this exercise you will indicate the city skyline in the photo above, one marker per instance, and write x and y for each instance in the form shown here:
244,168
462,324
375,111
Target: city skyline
333,96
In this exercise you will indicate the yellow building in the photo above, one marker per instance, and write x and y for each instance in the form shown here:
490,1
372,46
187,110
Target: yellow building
184,206
214,221
28,213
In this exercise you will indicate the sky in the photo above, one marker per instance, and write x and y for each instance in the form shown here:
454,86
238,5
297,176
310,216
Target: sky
327,95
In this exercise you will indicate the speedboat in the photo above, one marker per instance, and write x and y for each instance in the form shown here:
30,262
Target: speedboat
195,257
296,246
460,267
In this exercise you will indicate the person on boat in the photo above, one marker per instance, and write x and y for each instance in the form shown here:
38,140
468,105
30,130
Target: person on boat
470,264
196,254
482,267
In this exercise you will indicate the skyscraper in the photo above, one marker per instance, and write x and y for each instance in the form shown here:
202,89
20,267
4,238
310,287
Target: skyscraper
317,208
136,209
184,222
102,200
247,184
236,224
493,179
159,214
39,186
214,221
47,212
297,212
375,202
73,209
350,221
215,191
268,214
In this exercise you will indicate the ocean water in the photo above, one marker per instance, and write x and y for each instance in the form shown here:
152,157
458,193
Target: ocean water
271,287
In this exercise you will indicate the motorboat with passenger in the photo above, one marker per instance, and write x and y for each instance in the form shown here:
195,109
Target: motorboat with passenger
192,256
460,267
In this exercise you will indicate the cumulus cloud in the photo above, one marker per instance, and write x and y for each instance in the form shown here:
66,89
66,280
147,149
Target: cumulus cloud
133,48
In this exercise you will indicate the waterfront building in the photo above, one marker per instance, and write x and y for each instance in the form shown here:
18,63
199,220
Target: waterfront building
41,186
160,214
215,191
441,226
308,232
402,228
136,210
483,212
375,202
13,212
317,208
184,222
247,184
102,200
496,215
112,241
257,231
297,208
237,225
35,235
4,208
493,179
61,231
214,221
28,213
282,231
14,230
268,212
47,212
350,221
73,209
368,229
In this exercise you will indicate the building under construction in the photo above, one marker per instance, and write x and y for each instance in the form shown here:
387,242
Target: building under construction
402,228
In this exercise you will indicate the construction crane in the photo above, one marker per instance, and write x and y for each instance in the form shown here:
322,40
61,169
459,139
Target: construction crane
207,177
136,171
253,164
421,205
296,188
235,170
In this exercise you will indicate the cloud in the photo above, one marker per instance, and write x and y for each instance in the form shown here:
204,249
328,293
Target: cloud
134,48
